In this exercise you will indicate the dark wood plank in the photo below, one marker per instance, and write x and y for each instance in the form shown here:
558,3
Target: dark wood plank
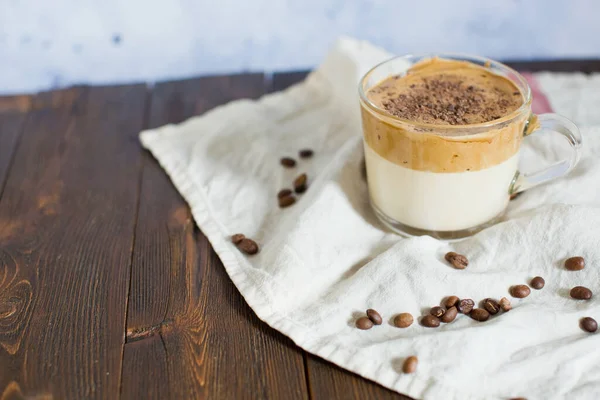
66,231
12,117
326,380
190,332
586,66
283,80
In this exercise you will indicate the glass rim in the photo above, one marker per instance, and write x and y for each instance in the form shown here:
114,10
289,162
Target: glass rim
458,57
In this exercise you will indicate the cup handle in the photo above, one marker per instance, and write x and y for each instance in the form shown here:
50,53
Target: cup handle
554,123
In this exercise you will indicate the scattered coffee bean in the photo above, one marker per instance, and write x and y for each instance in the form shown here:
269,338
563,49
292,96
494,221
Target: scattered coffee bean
537,283
284,193
589,324
465,306
306,153
403,320
364,323
458,261
300,183
410,365
479,314
505,304
235,239
520,291
575,264
449,315
451,301
491,306
581,293
248,246
430,321
437,311
374,316
286,201
288,162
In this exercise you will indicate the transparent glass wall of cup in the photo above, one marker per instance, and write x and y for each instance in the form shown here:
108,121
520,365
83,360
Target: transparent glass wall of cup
451,181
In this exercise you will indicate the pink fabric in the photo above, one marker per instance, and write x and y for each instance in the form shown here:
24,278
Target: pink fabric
540,101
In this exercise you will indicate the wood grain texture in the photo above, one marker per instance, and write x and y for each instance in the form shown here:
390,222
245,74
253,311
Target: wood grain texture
66,230
13,111
190,333
330,382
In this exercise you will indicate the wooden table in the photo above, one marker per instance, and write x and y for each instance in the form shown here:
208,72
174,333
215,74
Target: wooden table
107,288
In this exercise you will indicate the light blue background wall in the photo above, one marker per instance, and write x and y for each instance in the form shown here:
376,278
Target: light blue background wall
49,43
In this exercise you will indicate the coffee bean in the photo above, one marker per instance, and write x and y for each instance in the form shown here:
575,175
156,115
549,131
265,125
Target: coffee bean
437,311
374,316
451,301
491,306
465,306
403,320
364,323
449,315
505,304
288,162
286,201
581,293
248,246
300,183
520,291
306,153
410,365
235,239
537,283
458,261
479,314
430,321
575,264
284,193
589,324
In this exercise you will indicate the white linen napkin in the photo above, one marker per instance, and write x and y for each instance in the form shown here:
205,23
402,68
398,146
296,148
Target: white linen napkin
326,259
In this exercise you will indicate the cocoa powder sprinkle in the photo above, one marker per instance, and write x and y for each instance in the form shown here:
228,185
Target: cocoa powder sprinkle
447,92
447,100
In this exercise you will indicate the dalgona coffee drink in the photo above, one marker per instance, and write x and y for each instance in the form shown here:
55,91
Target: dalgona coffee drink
442,138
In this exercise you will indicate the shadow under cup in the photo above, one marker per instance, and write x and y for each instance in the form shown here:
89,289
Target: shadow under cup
446,181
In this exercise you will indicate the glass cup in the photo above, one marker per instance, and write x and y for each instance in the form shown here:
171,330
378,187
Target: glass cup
451,181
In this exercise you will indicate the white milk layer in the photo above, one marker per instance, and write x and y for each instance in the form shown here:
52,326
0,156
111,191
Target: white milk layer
438,201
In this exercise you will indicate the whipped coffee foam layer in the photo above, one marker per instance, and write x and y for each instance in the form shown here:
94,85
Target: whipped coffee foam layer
414,148
446,147
447,92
